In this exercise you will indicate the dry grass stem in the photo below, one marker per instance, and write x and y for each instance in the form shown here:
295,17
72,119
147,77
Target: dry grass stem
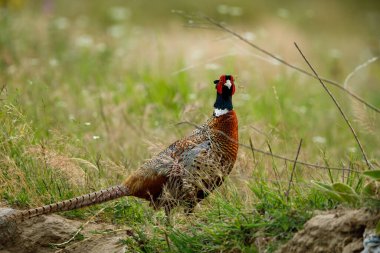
79,230
252,149
361,66
275,155
240,37
3,87
365,119
293,169
65,166
337,105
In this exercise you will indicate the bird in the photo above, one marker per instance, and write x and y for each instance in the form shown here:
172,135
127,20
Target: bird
183,174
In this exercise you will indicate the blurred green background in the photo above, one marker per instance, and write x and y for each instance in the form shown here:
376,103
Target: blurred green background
70,62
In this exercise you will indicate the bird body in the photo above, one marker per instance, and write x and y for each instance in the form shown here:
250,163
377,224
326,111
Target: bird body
182,174
185,172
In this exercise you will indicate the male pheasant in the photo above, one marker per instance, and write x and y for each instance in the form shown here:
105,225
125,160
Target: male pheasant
183,174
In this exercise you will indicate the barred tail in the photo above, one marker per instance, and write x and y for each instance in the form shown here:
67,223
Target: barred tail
71,204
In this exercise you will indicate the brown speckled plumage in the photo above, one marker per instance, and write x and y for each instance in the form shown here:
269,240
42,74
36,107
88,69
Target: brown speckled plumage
183,174
191,167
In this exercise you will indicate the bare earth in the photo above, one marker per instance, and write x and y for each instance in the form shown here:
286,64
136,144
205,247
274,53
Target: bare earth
333,231
39,234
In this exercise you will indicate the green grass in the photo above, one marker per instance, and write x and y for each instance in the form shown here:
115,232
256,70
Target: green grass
89,96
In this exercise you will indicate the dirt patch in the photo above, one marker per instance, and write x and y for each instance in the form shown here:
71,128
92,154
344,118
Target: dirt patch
39,234
333,231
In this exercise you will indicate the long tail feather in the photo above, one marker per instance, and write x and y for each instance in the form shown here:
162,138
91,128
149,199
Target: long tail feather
71,204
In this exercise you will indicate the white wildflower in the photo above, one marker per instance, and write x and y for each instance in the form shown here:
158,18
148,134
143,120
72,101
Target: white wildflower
192,96
84,41
119,13
61,23
319,139
300,109
116,31
53,62
250,36
229,10
222,9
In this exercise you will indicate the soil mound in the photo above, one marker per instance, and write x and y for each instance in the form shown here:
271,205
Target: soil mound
334,231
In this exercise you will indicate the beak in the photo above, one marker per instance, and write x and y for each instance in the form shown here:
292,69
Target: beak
228,84
216,81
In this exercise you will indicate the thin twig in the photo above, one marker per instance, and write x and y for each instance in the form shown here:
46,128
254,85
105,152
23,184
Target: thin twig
336,84
337,105
167,241
103,115
274,167
200,27
274,155
348,174
299,162
79,230
259,131
294,168
252,149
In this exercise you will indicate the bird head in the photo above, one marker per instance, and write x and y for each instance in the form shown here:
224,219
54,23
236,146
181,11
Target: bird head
225,86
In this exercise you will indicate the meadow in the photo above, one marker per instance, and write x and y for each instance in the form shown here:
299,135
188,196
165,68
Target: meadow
88,92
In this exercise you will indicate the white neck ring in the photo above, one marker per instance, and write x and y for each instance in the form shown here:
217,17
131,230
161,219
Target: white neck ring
220,112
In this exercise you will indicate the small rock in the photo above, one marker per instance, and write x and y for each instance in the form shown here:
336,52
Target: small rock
8,229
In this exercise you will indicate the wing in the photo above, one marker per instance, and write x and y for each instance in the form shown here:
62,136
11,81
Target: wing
195,176
148,181
173,155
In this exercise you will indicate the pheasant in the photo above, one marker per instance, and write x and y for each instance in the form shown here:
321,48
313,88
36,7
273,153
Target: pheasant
182,174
